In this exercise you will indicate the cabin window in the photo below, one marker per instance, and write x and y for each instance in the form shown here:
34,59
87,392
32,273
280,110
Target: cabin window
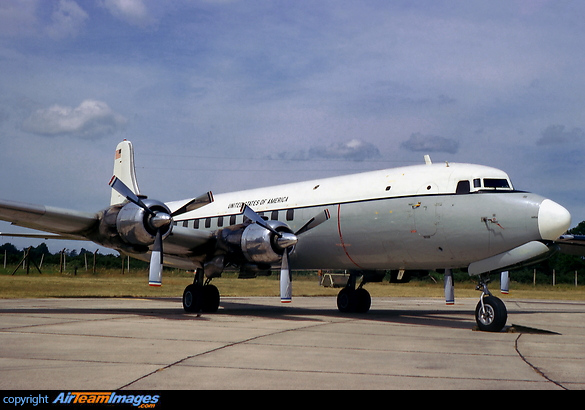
477,183
274,216
220,221
463,187
185,223
495,183
290,214
232,220
196,224
208,222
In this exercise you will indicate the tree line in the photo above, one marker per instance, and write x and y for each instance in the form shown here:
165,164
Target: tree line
41,255
563,265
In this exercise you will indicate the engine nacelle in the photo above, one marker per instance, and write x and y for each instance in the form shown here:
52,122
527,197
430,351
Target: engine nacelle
260,246
133,223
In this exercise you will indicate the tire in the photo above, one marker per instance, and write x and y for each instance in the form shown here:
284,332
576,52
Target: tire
354,301
193,299
363,300
346,300
495,316
210,299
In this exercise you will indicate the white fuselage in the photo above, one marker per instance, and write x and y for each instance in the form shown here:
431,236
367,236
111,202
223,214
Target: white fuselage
417,217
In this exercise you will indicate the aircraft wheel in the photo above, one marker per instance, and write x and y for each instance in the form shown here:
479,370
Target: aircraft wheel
493,316
354,301
345,300
363,301
193,298
210,299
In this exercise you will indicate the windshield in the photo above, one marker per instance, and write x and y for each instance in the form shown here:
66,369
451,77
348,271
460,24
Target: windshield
496,183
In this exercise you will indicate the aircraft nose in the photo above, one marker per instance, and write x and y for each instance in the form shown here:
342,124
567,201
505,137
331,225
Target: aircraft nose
553,220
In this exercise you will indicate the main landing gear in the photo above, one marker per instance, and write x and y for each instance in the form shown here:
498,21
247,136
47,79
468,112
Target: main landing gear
200,296
354,300
491,313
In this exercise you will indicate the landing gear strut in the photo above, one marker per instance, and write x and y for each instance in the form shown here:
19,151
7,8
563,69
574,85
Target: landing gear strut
352,300
200,296
491,313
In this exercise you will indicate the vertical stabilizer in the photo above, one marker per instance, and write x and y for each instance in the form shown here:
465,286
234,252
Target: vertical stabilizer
124,170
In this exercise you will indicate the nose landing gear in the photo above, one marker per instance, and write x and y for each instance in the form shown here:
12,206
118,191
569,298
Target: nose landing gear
490,313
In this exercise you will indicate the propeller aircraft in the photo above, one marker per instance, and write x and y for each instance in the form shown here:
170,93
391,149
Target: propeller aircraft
408,220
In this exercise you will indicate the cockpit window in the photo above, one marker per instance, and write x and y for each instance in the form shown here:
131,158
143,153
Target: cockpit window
493,183
463,187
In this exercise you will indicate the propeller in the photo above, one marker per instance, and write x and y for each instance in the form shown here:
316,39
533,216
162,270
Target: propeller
449,288
159,221
117,184
285,241
285,280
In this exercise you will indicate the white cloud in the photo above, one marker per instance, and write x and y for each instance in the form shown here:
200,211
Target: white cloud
67,20
133,12
430,143
91,119
354,150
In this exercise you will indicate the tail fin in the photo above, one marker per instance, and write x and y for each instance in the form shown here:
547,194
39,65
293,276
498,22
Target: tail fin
124,170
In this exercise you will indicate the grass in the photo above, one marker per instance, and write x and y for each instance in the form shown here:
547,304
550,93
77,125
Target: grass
111,283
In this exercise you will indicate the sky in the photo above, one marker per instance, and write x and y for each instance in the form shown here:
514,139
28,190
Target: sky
233,94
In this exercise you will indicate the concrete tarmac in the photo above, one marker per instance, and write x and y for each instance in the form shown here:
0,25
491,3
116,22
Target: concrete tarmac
257,343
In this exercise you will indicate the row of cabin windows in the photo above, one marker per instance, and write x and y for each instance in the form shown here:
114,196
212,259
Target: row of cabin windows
233,219
463,187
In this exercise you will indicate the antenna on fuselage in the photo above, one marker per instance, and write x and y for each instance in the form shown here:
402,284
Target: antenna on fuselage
428,160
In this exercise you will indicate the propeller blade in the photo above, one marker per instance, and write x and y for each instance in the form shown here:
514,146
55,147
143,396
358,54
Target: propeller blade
449,288
285,280
315,221
250,214
505,282
156,261
123,190
195,203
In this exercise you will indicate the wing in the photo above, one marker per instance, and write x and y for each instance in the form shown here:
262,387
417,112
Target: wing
65,223
572,244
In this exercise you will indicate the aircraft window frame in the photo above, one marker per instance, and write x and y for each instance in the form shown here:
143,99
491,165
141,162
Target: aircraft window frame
290,214
208,223
196,224
233,220
496,183
274,216
220,221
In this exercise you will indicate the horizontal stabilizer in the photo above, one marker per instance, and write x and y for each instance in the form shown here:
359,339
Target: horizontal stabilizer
572,244
44,236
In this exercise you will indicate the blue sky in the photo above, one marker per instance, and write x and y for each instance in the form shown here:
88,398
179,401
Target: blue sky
233,94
